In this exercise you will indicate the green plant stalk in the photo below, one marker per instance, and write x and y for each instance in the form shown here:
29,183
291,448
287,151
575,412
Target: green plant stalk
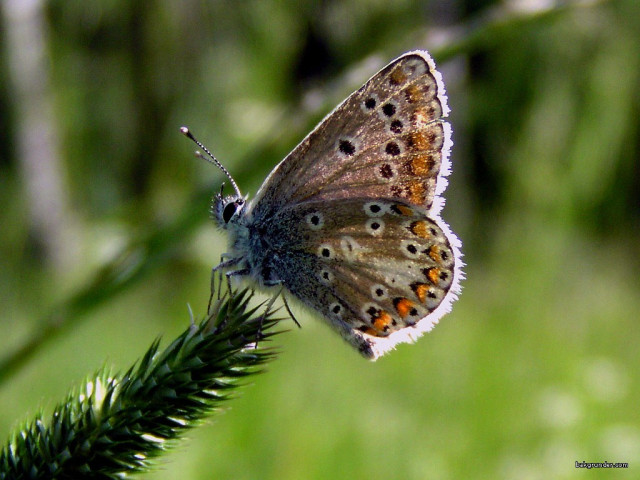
115,425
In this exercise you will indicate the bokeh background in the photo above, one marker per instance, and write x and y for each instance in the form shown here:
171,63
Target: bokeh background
105,236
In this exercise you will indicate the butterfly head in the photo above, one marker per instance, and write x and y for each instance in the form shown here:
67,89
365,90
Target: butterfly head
227,209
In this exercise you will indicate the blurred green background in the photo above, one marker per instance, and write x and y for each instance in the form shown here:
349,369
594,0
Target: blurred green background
105,236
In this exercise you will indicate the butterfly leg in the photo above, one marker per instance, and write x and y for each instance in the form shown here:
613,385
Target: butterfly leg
213,288
259,335
237,273
218,269
286,306
274,283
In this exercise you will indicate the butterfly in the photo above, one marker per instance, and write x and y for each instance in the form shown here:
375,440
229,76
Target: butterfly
349,222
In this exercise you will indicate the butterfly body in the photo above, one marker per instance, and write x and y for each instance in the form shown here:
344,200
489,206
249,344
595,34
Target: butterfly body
349,222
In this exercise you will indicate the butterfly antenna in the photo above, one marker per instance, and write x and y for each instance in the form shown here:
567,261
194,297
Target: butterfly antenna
213,160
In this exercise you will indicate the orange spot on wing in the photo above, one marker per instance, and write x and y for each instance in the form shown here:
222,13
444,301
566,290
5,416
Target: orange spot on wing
403,210
403,306
381,321
434,275
421,290
418,142
422,165
434,253
413,94
420,229
417,193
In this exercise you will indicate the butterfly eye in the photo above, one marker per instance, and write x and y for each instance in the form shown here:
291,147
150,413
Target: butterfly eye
230,209
228,212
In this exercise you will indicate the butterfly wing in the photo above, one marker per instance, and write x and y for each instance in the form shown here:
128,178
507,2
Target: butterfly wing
382,272
386,140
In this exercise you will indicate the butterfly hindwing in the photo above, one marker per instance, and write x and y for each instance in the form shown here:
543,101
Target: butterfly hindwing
381,272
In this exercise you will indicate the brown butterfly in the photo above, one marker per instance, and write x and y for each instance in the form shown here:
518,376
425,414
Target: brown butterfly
349,222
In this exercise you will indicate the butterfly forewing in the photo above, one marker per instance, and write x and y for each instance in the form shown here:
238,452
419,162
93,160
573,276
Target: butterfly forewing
387,140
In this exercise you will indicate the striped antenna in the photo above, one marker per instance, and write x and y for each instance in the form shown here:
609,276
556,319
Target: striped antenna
187,133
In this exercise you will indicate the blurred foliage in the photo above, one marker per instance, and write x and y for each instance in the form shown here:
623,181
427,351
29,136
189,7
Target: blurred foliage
533,370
